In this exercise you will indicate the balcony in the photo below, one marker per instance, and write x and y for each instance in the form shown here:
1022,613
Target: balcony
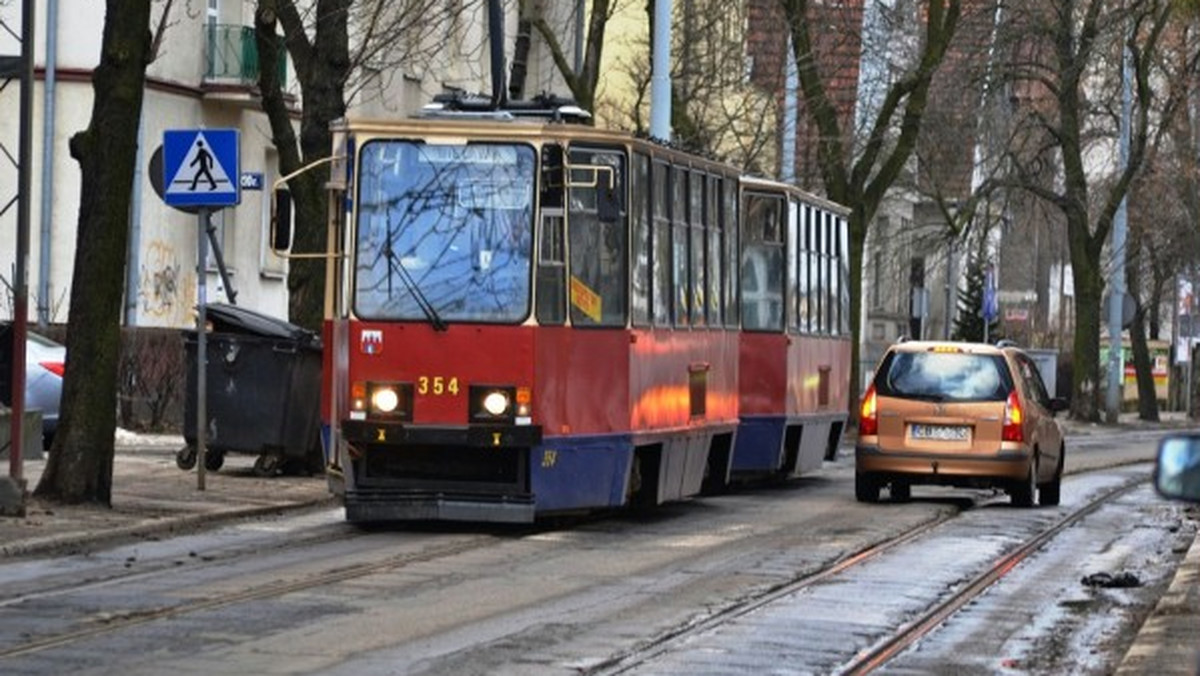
231,67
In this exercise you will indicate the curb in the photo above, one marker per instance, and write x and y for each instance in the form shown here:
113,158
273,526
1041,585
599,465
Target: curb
1165,643
77,542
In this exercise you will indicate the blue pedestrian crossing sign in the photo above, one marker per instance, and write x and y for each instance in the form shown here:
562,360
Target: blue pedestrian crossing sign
200,167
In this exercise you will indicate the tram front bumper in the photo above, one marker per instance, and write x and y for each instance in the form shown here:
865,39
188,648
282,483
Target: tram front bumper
405,472
394,504
474,436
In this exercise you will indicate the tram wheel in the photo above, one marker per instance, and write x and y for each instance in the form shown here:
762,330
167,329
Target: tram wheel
185,458
267,465
901,491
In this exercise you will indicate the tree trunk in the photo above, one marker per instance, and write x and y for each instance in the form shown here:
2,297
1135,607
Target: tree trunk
81,461
1085,383
1135,247
1147,394
858,238
322,67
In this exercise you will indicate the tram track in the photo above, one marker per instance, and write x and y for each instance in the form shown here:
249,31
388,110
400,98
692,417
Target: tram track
885,647
123,619
278,577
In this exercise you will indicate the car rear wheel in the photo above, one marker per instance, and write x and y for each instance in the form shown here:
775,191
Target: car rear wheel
1050,493
1022,493
866,487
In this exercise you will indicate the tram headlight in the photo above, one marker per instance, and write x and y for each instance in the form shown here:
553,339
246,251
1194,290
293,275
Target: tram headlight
491,403
496,403
385,400
382,400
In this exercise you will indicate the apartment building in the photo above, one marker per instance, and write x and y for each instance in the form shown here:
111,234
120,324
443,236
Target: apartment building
204,76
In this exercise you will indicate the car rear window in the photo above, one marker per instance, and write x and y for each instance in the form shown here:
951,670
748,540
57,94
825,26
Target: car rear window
944,376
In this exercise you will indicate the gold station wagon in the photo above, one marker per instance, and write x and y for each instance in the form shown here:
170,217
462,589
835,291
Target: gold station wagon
959,414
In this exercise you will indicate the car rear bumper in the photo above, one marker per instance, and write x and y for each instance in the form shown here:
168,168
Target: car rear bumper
943,468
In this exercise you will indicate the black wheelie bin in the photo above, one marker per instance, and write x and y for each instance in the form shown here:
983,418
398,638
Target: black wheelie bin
263,393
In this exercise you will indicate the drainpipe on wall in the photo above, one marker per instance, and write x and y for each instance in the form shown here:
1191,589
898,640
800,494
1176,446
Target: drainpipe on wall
660,72
787,154
43,293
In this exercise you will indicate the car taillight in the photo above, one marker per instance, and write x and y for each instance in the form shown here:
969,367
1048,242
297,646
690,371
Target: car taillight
55,367
868,417
1012,419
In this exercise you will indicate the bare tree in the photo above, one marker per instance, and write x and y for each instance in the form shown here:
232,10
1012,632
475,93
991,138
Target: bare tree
1164,207
857,169
581,80
81,460
1065,80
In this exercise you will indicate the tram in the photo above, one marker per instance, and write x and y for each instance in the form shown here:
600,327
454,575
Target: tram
527,316
794,343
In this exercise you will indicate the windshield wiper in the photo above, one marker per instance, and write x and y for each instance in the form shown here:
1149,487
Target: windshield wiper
431,313
395,264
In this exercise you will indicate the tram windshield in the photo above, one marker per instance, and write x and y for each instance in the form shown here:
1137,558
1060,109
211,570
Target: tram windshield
445,232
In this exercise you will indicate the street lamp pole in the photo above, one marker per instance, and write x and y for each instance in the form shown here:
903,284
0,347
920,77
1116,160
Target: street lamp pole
1116,297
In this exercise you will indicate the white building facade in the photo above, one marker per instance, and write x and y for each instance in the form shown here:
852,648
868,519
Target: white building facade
204,77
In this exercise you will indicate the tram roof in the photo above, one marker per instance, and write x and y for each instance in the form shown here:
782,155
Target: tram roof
767,184
470,126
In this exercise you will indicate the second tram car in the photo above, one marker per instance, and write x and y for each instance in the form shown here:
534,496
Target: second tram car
794,345
527,317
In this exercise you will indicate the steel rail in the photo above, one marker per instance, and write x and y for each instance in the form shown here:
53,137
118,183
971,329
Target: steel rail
873,657
342,573
876,656
664,643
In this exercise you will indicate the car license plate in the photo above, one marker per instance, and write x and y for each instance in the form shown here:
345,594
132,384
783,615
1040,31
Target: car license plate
940,432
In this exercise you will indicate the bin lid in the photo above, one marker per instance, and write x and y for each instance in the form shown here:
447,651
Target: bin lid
227,318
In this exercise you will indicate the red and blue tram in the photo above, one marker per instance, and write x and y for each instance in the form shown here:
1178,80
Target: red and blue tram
527,317
794,344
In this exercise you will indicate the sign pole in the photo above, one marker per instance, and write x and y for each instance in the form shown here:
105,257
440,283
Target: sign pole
201,344
201,170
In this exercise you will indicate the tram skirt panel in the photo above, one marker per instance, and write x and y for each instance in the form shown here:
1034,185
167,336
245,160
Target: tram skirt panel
581,472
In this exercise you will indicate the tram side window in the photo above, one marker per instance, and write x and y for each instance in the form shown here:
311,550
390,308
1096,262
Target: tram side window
640,211
679,249
698,223
660,262
805,262
844,258
793,265
715,259
732,253
762,263
831,276
598,249
822,281
551,271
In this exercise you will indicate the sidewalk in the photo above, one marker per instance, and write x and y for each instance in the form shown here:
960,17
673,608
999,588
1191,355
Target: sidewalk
151,497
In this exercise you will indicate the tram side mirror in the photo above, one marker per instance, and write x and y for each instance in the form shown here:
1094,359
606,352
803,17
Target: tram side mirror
1177,467
281,220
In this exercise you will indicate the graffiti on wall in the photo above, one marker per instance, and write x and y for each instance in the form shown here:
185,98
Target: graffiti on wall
164,294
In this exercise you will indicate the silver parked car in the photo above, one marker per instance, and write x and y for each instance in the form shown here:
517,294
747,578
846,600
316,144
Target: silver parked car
44,364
